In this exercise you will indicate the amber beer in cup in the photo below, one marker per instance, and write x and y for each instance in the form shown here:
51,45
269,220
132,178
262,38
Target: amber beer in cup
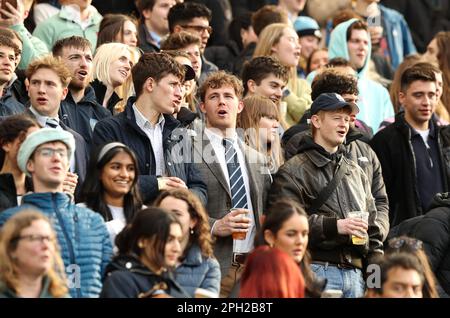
239,235
356,240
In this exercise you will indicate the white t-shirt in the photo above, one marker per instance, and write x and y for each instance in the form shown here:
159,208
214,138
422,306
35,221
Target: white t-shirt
116,225
424,134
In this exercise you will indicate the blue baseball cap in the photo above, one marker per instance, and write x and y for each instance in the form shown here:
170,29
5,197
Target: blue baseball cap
331,101
307,26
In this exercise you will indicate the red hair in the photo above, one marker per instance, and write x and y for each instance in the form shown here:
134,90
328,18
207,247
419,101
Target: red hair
271,273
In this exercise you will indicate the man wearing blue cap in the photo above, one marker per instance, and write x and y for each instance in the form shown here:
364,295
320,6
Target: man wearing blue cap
329,186
82,235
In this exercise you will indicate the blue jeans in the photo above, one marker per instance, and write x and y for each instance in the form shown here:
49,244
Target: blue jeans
349,281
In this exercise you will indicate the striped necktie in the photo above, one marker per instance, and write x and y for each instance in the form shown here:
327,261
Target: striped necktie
52,122
237,188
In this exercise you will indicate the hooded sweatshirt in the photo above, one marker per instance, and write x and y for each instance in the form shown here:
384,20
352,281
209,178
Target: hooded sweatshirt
374,101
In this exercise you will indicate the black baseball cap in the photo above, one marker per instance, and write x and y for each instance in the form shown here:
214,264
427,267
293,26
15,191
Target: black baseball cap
189,73
331,101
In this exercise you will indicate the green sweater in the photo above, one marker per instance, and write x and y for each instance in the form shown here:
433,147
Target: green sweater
63,25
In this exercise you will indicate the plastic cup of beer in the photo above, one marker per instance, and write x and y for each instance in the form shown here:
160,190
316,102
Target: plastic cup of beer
239,235
359,240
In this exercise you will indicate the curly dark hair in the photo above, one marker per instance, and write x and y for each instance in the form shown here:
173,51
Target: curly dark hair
202,234
333,81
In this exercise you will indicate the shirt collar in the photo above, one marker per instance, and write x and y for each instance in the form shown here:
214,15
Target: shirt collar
156,38
42,120
141,121
12,80
216,138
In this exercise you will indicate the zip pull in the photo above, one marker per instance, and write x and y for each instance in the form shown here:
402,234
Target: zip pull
430,158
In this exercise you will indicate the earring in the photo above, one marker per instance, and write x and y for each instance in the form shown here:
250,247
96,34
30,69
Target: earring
271,245
140,245
192,231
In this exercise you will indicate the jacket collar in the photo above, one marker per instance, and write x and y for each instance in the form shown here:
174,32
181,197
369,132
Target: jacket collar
45,200
145,37
170,124
89,97
193,256
407,130
99,91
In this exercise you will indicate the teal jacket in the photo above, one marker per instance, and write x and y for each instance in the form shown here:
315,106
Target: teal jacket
6,292
373,101
32,47
62,25
82,236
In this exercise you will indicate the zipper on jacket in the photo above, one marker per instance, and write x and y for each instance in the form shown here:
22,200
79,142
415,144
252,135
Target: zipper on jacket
416,191
66,236
441,158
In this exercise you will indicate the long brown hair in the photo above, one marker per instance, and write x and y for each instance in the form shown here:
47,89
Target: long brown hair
202,232
9,235
152,225
256,107
270,37
443,57
111,25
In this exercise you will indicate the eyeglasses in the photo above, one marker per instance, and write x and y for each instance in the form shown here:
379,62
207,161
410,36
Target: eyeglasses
198,28
408,242
50,152
36,238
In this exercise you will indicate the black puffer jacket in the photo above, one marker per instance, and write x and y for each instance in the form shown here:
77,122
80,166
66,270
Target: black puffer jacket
433,229
127,277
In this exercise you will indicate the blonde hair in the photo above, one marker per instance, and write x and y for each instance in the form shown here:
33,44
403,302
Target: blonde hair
9,234
256,107
105,55
269,37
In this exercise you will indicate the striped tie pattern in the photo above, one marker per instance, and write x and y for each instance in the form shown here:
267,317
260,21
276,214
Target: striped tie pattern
52,122
238,193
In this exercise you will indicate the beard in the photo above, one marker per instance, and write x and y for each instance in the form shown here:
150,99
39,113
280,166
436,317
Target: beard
77,85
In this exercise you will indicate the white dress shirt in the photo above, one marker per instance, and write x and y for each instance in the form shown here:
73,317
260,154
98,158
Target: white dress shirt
154,133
